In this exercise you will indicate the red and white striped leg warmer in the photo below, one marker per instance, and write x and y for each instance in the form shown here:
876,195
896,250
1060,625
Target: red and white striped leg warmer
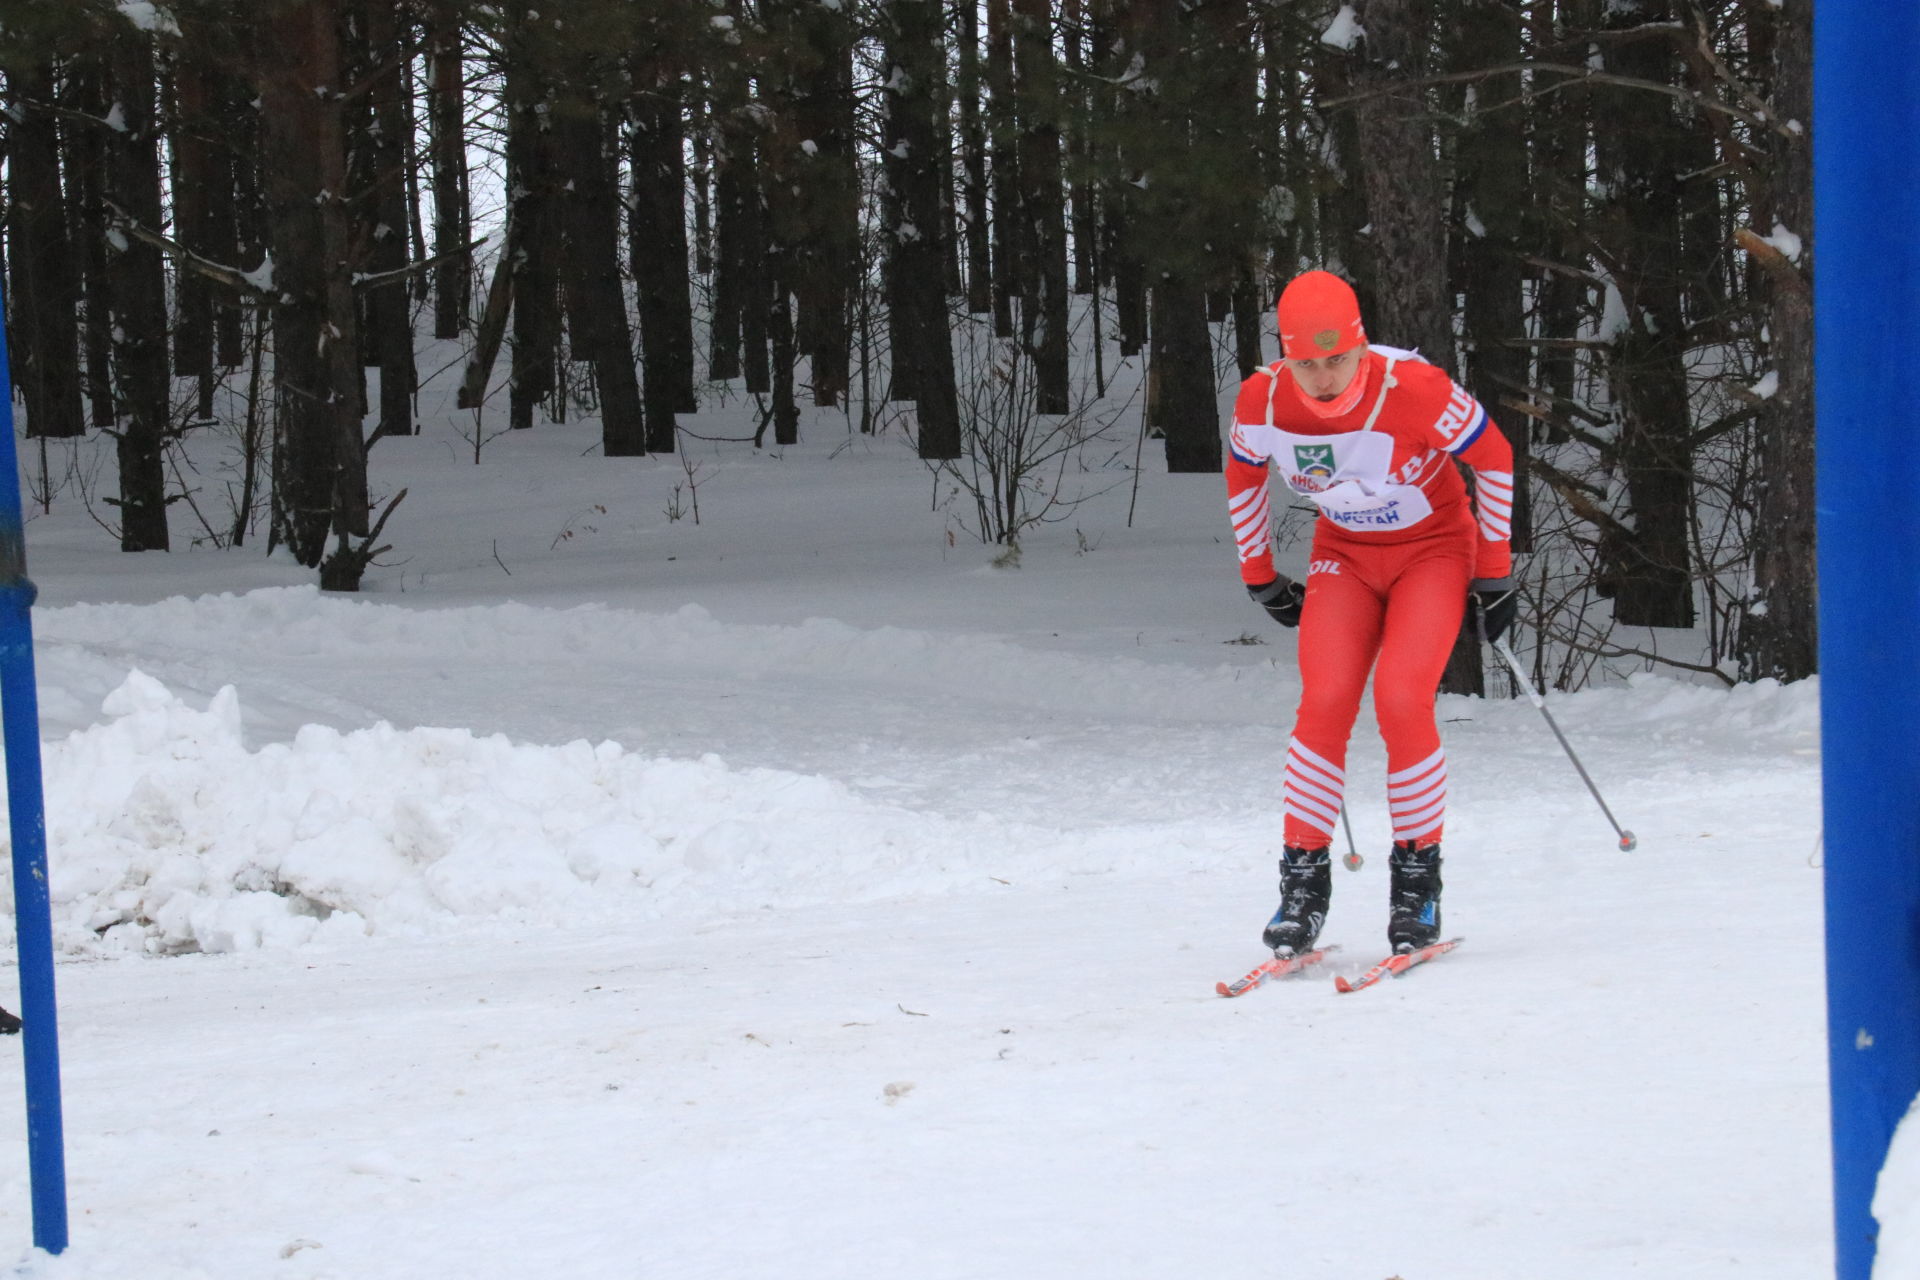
1417,799
1314,789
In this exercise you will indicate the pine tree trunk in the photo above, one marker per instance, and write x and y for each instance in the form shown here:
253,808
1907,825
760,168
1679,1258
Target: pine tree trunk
916,231
903,343
86,161
816,156
385,313
138,290
1406,207
902,368
658,235
1493,188
736,195
1779,634
1285,164
1113,55
320,478
1043,305
1225,99
1638,141
584,138
198,173
490,331
238,210
658,239
1558,207
1344,226
1406,201
1172,221
452,210
1129,282
700,138
45,289
1705,249
780,337
1083,221
1187,414
784,205
756,278
419,287
1003,126
535,240
953,278
973,160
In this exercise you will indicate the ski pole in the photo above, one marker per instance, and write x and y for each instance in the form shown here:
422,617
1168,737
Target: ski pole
1353,861
1627,840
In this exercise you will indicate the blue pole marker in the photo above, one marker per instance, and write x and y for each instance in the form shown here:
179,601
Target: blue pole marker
1866,115
32,909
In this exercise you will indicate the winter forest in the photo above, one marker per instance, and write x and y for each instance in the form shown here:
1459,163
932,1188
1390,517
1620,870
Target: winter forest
258,221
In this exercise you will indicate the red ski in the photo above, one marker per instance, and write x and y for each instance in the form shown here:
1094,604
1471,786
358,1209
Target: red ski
1395,965
1274,968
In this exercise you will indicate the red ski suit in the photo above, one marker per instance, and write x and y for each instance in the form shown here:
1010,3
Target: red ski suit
1395,550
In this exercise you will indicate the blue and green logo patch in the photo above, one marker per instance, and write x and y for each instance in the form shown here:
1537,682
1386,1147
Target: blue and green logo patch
1314,460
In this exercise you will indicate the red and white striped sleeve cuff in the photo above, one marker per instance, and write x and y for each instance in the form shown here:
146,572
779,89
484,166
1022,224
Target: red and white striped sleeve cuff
1493,499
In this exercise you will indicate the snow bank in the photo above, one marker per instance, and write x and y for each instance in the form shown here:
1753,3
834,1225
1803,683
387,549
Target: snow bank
169,835
1761,714
1896,1203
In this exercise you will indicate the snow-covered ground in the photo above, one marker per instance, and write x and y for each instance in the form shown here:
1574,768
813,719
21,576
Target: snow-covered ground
797,893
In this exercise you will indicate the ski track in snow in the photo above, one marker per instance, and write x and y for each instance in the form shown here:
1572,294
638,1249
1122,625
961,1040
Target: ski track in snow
609,933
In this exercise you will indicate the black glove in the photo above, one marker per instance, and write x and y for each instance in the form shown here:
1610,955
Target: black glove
1491,604
1281,598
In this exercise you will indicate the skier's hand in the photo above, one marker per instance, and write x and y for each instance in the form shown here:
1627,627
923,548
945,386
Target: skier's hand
1281,598
1491,604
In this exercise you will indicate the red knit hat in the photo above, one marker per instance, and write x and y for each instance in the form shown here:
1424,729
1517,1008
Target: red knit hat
1319,316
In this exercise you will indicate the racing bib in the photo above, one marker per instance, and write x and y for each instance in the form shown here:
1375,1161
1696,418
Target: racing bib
1347,477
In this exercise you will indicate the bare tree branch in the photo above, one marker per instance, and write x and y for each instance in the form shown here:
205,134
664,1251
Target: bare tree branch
1574,76
1581,496
1614,651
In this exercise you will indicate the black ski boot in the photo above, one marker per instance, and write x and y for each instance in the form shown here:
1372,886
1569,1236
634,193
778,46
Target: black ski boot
1413,901
1306,886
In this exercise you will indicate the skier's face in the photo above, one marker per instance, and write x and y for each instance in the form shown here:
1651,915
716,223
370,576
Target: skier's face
1325,377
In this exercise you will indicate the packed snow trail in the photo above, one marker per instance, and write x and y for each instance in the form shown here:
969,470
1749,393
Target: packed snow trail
1035,1082
901,1040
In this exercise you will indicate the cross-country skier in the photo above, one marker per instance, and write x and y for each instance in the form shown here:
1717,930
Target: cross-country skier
1369,434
